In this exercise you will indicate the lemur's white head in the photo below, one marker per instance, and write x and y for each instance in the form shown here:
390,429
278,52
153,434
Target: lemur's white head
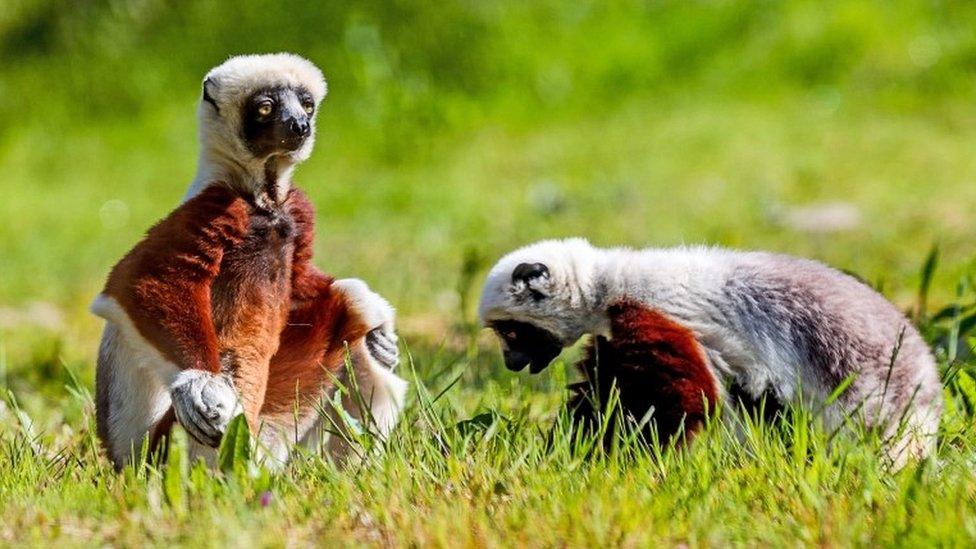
543,297
257,120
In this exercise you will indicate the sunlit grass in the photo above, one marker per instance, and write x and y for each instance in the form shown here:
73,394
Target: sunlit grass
510,470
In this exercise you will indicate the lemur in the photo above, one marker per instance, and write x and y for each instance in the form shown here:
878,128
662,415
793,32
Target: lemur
682,330
219,309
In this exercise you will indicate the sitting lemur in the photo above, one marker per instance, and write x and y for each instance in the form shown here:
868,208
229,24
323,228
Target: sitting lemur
219,309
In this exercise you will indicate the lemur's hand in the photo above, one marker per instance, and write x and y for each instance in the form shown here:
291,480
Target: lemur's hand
382,345
204,404
378,314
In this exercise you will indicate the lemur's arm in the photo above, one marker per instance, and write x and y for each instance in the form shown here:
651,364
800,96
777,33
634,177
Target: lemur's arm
307,281
308,284
163,284
159,297
659,362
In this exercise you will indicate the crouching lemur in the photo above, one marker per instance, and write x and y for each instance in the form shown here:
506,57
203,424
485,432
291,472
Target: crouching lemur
219,309
681,330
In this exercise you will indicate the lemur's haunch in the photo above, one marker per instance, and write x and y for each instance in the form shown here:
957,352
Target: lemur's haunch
219,308
682,329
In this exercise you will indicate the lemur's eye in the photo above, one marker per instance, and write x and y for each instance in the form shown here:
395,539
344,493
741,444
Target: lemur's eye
309,107
265,108
511,335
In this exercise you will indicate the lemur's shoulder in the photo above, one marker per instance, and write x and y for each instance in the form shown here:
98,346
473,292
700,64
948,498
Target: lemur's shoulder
218,208
300,207
189,242
217,217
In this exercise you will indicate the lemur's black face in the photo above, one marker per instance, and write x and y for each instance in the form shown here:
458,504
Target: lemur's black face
277,120
525,344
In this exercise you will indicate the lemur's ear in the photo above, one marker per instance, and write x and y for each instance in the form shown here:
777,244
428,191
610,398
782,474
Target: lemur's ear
209,89
531,276
525,272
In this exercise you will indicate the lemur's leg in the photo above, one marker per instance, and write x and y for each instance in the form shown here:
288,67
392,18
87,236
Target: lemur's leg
132,397
374,399
345,321
655,363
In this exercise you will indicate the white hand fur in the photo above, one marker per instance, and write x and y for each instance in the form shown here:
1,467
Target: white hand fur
204,404
378,314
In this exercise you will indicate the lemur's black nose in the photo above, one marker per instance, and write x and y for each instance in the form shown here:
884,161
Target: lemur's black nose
300,128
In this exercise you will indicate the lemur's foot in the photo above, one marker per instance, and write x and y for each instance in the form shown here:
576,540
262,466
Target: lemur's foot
204,404
378,314
382,345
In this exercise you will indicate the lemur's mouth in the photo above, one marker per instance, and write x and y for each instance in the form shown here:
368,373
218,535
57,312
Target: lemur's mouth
290,144
536,359
527,345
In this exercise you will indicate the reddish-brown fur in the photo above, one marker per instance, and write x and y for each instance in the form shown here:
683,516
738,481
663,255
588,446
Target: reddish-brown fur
312,351
164,282
653,361
220,285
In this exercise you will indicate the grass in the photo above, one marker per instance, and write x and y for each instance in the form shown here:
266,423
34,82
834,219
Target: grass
453,133
507,477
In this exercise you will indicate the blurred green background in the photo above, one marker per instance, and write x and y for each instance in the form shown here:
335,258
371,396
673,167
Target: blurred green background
457,130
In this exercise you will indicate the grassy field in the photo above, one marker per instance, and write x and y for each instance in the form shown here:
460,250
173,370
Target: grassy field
453,132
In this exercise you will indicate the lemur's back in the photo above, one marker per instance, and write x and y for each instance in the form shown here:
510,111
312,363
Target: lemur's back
796,328
825,320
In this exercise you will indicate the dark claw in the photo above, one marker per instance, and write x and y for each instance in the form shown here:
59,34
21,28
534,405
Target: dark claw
382,347
210,439
385,347
198,434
